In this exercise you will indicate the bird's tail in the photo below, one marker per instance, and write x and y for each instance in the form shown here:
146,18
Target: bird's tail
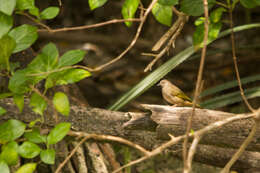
187,103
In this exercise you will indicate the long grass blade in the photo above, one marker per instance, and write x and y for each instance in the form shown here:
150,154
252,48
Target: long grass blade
161,71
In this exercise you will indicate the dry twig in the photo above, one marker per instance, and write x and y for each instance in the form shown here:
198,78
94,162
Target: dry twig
243,146
98,137
188,161
170,35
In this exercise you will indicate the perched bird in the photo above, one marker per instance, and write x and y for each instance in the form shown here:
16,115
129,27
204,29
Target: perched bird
173,95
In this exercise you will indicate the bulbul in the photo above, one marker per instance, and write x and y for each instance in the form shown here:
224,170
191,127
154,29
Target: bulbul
174,95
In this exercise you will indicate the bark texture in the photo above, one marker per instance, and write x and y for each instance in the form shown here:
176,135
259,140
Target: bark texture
151,128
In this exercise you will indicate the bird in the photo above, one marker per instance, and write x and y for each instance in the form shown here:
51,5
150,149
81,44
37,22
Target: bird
174,95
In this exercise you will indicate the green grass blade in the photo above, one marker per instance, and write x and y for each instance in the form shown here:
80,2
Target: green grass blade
230,98
152,78
161,71
228,85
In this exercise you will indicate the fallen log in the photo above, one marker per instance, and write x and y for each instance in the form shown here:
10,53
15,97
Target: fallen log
151,128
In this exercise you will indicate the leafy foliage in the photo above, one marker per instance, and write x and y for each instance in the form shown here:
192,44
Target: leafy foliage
61,103
11,130
215,26
24,36
49,69
93,4
49,13
58,133
195,7
162,13
6,23
128,10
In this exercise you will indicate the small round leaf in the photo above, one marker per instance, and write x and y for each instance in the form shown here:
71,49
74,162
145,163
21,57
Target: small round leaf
58,133
29,150
49,13
48,156
27,168
61,103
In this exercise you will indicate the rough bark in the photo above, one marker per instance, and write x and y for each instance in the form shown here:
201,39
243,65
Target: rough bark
151,128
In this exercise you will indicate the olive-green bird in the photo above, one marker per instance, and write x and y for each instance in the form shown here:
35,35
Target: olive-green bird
173,95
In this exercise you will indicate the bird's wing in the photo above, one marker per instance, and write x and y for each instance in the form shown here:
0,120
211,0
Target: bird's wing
183,96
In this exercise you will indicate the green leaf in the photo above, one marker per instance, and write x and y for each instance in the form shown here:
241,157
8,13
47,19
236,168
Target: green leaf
27,168
4,167
19,101
35,12
93,4
2,111
61,103
152,78
7,45
38,65
58,133
71,57
25,4
24,36
49,13
9,153
168,66
195,7
248,3
6,23
7,6
66,77
199,21
198,36
162,14
35,136
29,150
230,98
52,55
11,130
37,103
168,2
128,10
72,76
44,62
48,156
229,85
216,15
18,83
32,123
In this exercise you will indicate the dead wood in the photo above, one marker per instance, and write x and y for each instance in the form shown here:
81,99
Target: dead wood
151,128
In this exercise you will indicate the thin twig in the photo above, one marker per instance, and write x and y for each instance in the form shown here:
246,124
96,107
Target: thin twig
257,123
143,18
191,153
241,149
167,35
98,137
113,21
198,84
71,154
235,60
175,30
36,21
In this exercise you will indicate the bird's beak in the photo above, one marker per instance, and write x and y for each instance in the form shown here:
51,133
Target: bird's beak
159,84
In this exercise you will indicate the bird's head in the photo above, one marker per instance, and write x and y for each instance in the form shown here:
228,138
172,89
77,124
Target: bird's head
163,83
